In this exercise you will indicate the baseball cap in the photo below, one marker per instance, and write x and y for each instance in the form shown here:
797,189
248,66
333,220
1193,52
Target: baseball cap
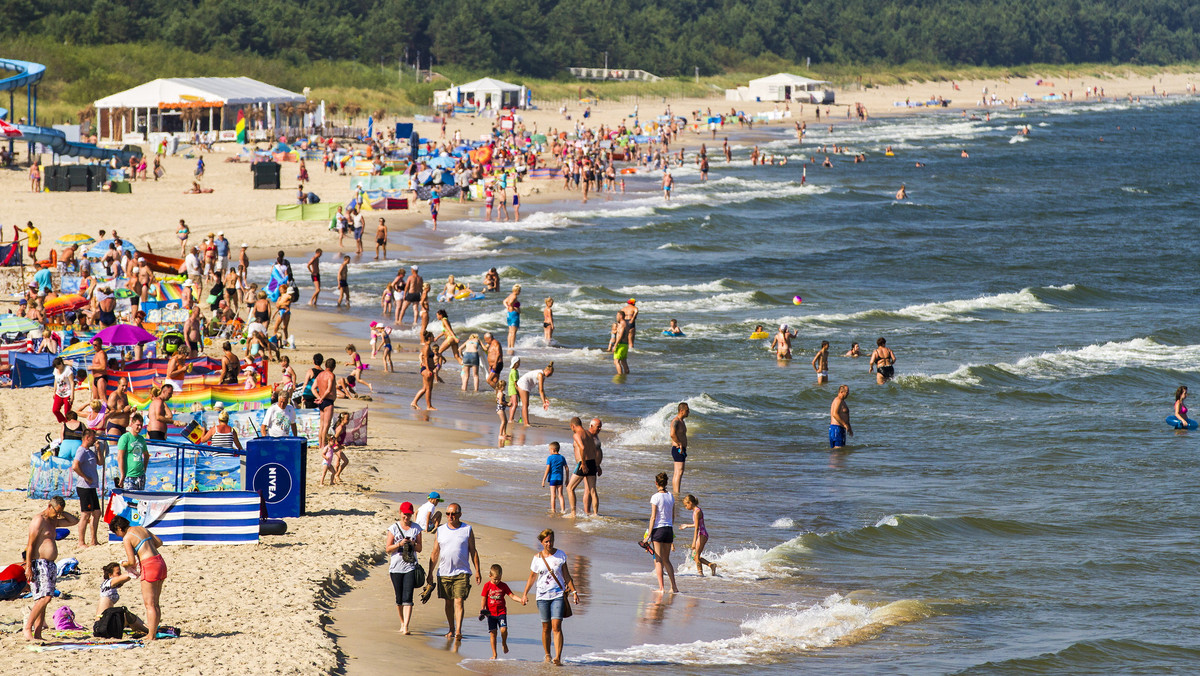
406,508
435,496
515,361
415,268
221,234
783,327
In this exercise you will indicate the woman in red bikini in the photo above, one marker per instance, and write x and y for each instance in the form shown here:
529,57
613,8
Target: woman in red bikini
141,546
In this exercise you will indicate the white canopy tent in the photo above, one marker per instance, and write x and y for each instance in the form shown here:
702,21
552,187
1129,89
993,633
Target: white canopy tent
484,93
782,87
157,105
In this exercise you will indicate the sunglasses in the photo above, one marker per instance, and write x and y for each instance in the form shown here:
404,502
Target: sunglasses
453,514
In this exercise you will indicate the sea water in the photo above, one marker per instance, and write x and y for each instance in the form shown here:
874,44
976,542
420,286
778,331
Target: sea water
1011,503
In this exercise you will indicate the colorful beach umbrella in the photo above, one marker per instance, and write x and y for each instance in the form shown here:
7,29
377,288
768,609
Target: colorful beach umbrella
100,248
78,239
9,131
78,350
66,303
125,334
14,323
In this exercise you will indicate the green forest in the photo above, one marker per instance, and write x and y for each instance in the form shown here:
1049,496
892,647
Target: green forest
540,38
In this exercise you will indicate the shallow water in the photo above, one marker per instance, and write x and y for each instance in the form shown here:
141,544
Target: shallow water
1011,503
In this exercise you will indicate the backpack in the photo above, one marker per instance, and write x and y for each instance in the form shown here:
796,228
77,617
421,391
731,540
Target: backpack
111,623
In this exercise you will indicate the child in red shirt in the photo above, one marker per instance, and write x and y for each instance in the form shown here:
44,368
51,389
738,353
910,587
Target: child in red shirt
492,605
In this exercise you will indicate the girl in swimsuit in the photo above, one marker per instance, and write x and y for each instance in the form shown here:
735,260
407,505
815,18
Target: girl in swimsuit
427,375
1180,409
700,538
356,363
109,596
288,379
141,553
548,320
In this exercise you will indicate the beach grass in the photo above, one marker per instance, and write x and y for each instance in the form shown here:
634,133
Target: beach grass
78,75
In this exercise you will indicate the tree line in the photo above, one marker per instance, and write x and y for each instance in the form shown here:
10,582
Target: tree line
668,37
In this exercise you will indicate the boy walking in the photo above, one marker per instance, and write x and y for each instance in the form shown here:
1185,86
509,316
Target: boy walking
493,606
556,466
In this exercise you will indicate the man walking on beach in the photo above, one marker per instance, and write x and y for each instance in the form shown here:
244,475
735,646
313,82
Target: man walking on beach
679,444
585,468
344,282
314,269
839,419
41,551
381,239
453,555
594,431
412,296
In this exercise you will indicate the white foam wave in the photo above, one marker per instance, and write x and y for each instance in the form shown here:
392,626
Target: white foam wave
469,243
834,621
783,522
1019,138
714,286
652,430
1022,301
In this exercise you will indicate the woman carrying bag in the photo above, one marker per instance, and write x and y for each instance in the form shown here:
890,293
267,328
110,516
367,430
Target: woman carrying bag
549,570
403,544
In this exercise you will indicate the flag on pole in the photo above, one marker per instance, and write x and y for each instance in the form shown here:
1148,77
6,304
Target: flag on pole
240,127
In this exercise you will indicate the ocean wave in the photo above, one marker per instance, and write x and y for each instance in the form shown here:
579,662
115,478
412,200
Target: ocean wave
1023,301
835,621
1019,138
1106,655
1092,360
652,430
715,286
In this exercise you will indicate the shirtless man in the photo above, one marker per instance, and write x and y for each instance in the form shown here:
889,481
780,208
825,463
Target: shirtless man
344,282
820,363
314,269
412,296
882,362
495,359
630,310
585,468
41,550
839,419
145,278
119,409
621,344
594,430
99,369
160,414
668,182
782,342
176,370
902,193
679,445
381,239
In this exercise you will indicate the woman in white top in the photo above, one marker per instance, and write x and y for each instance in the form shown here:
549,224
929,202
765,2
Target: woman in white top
403,544
662,534
549,570
526,383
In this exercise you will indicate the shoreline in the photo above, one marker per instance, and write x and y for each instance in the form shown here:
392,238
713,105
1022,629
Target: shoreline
384,472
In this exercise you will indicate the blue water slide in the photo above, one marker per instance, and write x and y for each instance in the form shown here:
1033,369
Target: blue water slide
27,74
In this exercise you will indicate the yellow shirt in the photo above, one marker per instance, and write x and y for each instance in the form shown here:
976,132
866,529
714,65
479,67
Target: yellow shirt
34,235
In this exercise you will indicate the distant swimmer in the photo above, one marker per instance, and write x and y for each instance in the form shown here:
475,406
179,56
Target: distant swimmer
839,419
820,363
854,351
965,155
782,342
902,193
883,362
827,164
920,164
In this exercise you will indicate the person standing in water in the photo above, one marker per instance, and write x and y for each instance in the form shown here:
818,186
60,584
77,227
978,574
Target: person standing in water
883,362
782,342
1180,409
662,533
820,363
700,538
839,419
679,444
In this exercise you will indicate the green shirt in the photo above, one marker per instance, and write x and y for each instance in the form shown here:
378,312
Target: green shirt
513,376
135,454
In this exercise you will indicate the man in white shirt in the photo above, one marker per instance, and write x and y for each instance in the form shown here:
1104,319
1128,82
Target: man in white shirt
279,420
427,518
191,265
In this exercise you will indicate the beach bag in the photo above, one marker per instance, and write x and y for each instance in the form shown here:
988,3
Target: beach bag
111,623
64,619
419,576
567,612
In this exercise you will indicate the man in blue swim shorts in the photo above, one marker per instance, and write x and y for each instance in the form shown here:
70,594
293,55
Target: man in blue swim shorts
839,419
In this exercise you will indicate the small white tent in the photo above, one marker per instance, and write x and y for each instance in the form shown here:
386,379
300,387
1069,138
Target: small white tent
782,87
483,93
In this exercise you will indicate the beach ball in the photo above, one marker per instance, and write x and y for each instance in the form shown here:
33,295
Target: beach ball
796,300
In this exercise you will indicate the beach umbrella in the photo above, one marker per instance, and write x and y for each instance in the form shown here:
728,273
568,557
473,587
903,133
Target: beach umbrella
65,303
78,351
8,131
78,239
100,248
125,334
441,161
14,323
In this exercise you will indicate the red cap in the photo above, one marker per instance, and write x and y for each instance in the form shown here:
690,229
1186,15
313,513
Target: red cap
406,508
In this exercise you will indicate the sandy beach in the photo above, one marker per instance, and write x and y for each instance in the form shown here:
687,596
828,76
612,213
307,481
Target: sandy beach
314,600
